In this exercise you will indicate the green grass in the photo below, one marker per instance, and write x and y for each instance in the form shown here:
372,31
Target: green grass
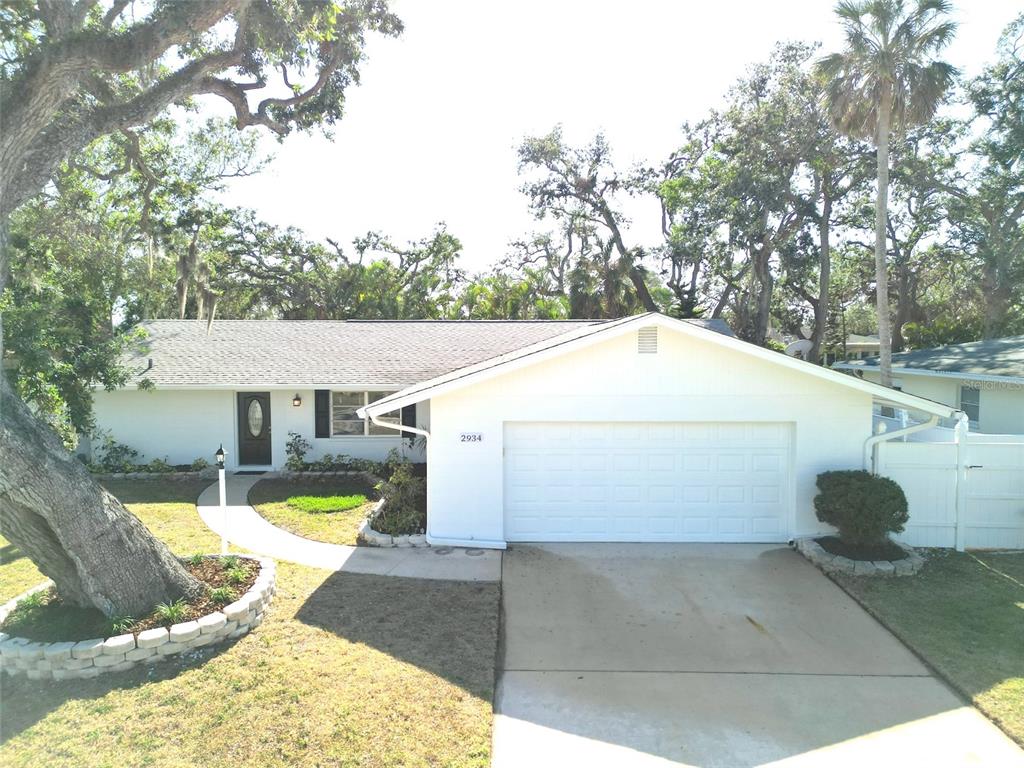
325,504
17,573
328,510
346,670
964,614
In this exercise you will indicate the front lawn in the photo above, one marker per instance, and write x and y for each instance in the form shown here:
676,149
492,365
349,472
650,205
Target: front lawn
328,509
346,669
964,614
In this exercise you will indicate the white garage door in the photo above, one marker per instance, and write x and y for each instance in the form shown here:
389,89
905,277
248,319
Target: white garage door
651,481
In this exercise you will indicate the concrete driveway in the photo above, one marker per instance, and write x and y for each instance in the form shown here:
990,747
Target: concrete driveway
711,655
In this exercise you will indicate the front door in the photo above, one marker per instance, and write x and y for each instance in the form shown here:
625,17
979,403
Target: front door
254,428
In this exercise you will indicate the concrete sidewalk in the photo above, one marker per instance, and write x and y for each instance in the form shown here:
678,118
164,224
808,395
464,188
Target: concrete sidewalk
244,528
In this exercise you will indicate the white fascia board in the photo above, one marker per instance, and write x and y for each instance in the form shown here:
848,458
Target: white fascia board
580,339
260,387
962,375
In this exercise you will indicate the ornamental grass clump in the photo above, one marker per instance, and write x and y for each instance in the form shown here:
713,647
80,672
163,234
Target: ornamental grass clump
863,507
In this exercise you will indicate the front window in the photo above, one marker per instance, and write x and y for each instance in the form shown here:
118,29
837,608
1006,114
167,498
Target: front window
970,403
346,423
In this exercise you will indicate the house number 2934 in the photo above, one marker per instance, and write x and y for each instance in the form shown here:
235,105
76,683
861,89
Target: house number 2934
471,437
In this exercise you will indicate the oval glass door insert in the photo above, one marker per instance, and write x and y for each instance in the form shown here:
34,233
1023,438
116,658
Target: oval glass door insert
255,418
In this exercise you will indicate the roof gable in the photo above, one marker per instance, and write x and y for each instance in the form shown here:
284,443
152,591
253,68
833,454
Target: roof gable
583,337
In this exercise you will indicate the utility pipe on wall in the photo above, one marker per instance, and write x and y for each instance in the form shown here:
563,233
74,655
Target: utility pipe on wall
871,455
960,507
412,430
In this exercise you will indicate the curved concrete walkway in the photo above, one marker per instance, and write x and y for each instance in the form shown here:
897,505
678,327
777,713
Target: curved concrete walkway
244,527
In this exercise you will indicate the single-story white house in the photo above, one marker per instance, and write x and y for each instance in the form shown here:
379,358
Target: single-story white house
640,429
645,428
984,379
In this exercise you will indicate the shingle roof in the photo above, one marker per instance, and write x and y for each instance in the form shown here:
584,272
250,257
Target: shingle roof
992,357
386,354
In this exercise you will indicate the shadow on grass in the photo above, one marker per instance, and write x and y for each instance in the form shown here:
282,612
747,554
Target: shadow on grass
963,614
447,628
26,702
10,554
147,491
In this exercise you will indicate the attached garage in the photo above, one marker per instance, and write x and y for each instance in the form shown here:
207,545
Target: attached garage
647,481
645,429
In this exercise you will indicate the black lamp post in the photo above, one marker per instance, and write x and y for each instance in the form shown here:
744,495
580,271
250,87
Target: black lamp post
222,492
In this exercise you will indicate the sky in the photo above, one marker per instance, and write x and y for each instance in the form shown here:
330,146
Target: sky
430,135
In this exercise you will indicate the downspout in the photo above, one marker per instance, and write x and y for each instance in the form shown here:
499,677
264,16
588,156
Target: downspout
871,456
399,427
412,430
960,508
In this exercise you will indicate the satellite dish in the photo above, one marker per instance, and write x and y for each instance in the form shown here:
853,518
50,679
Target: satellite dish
799,348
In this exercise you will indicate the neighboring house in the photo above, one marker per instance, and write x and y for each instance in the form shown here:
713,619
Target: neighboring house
857,347
984,379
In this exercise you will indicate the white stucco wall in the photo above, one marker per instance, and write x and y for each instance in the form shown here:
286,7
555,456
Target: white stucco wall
176,425
1002,403
180,425
688,380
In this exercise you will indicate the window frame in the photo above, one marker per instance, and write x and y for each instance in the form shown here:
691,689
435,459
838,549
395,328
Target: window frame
976,404
367,424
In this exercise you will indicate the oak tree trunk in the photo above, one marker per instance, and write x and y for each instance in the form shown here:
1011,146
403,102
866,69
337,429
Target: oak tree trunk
96,551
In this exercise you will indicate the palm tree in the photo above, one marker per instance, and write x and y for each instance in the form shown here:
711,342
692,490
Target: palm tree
887,80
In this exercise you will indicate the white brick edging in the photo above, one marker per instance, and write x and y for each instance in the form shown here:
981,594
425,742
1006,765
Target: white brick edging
830,563
371,538
89,658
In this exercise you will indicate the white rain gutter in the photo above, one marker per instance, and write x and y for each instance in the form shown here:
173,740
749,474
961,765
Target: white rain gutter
870,455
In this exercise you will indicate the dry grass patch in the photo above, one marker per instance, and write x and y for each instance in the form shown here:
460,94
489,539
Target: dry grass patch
346,670
298,506
964,614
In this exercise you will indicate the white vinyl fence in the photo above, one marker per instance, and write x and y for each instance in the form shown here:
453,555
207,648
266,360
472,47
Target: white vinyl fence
991,500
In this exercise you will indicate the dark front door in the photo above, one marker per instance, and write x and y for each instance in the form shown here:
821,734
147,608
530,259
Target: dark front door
254,428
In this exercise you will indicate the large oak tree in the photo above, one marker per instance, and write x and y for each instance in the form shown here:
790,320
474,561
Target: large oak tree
74,71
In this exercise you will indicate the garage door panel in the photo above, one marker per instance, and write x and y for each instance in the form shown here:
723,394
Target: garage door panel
647,482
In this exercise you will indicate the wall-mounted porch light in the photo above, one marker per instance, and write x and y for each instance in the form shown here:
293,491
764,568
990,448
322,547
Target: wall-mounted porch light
296,401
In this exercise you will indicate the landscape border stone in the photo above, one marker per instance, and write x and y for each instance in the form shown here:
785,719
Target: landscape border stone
210,473
89,658
367,536
829,563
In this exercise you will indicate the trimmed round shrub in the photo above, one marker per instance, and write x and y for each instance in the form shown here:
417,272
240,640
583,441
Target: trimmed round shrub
864,508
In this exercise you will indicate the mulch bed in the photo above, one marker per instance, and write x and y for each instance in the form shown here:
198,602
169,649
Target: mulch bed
55,621
885,550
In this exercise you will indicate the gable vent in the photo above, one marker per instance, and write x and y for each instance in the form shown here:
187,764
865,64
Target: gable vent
647,340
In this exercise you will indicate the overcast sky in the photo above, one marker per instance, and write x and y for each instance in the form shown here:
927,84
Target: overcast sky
431,133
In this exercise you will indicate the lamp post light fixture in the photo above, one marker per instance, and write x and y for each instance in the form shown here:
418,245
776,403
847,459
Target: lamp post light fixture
219,455
296,401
